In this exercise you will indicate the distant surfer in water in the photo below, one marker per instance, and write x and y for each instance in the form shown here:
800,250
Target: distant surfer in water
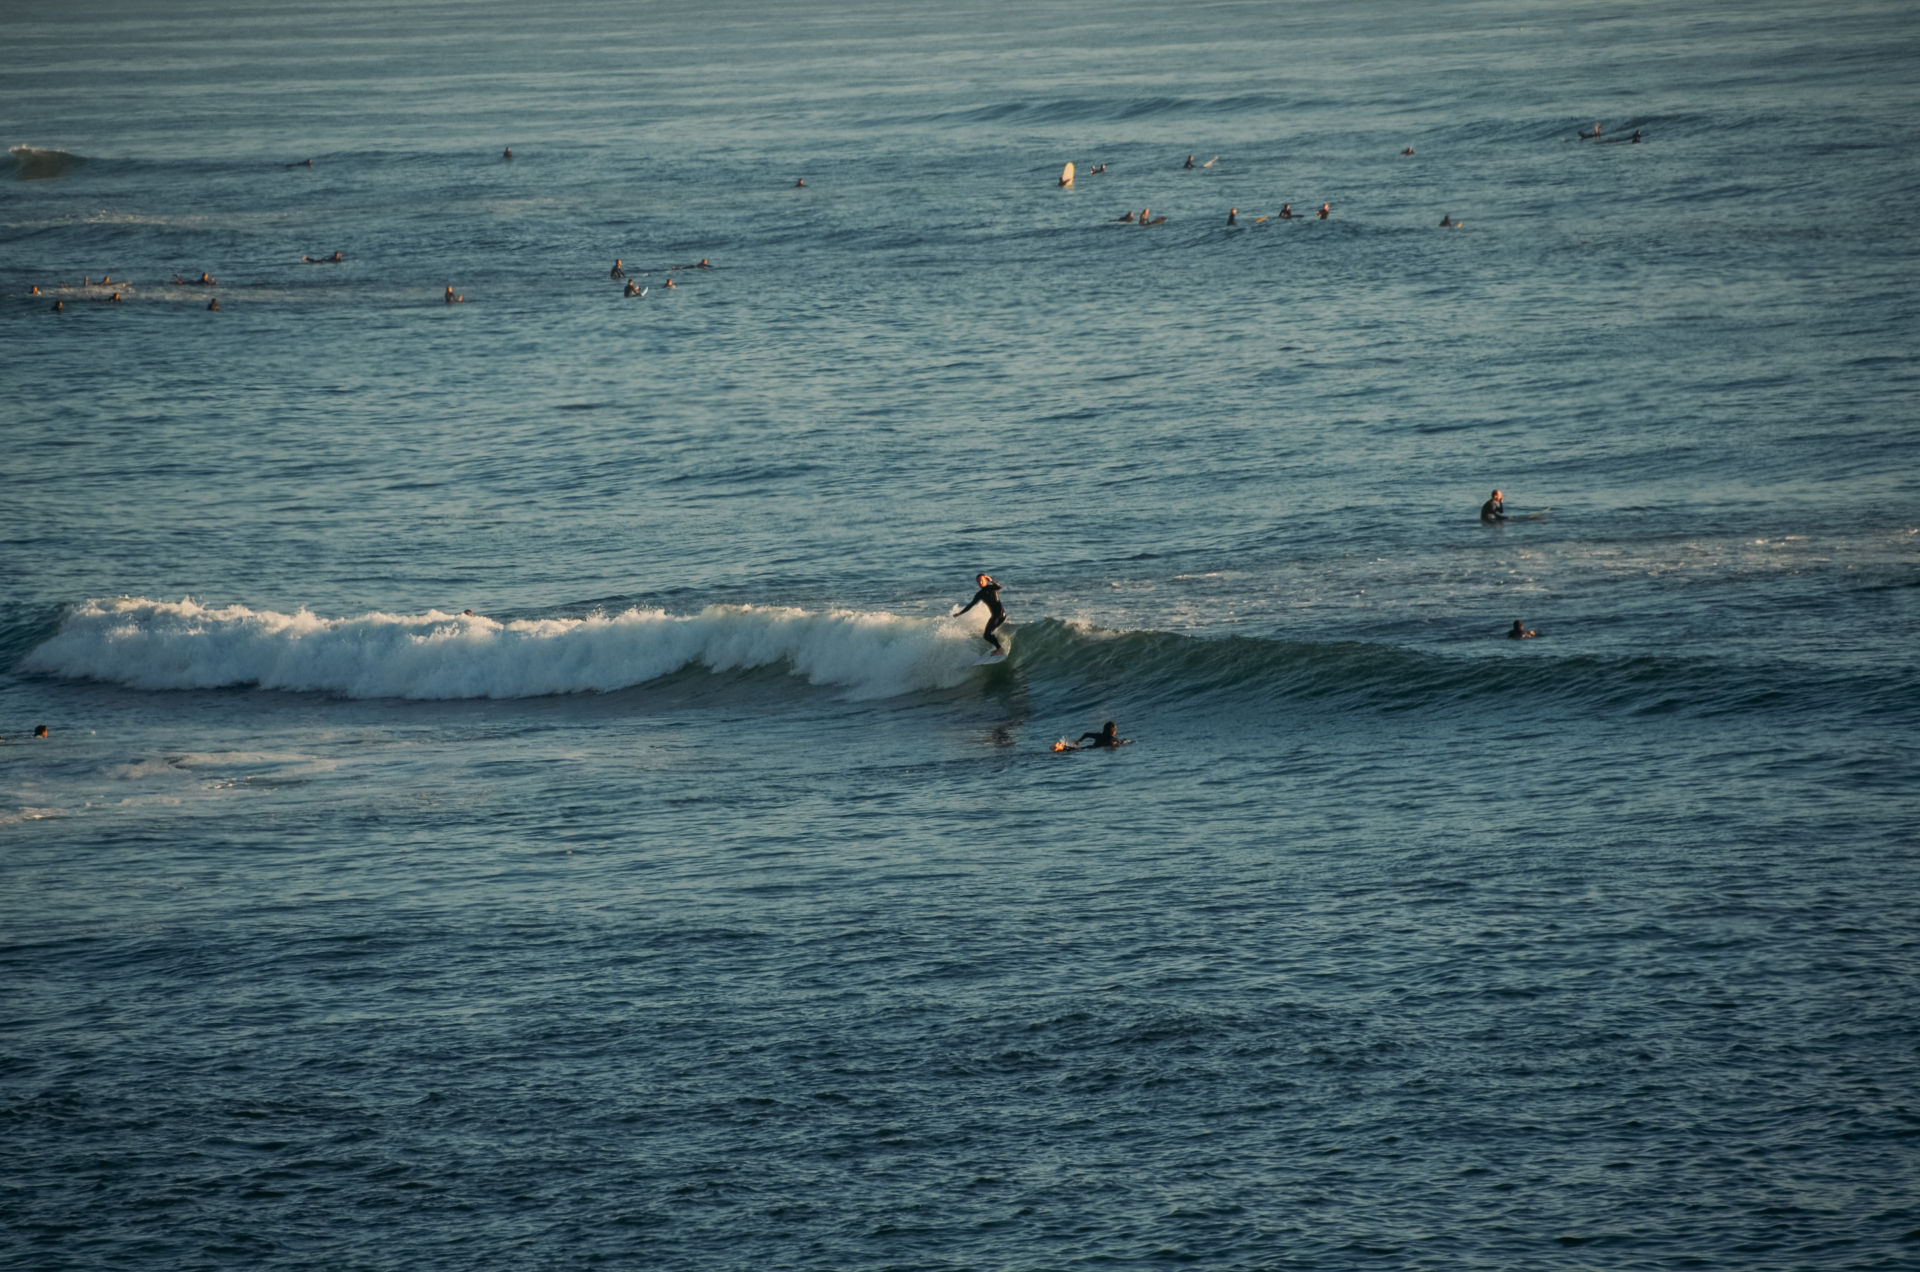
1446,222
1189,161
1286,211
989,596
213,306
1590,136
1325,209
335,259
507,153
1494,511
633,288
453,299
1407,151
801,184
1517,632
1128,218
59,306
616,273
1233,216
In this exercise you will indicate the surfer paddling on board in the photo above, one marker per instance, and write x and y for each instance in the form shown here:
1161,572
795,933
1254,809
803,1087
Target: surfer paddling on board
1494,511
1108,738
989,596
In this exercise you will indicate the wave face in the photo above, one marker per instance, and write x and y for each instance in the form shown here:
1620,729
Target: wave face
33,164
181,645
1255,671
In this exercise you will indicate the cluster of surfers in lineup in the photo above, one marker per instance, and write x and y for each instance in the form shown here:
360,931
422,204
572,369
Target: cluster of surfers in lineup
205,280
1286,212
634,290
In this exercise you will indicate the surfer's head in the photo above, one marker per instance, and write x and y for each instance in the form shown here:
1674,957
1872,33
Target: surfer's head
983,579
39,730
1496,494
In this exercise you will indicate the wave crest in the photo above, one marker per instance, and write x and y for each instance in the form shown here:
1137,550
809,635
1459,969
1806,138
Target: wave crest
181,645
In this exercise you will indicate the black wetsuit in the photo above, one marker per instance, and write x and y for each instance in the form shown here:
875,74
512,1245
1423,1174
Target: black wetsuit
1099,739
1492,511
989,596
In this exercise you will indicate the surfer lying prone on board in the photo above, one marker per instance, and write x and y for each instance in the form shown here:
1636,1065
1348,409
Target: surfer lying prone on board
988,595
1108,738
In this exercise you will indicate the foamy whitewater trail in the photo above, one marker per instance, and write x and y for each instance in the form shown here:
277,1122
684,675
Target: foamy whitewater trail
182,645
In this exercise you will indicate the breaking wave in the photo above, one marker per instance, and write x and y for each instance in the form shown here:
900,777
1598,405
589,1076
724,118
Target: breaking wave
182,645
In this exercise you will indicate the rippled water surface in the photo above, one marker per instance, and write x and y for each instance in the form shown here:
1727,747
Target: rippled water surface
514,794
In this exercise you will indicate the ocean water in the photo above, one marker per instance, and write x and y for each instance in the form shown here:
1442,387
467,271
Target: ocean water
697,901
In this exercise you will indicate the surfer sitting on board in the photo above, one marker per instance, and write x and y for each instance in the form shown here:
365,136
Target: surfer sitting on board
1494,511
988,595
1517,632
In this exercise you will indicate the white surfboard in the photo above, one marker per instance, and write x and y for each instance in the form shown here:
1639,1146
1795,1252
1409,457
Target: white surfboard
997,656
1066,175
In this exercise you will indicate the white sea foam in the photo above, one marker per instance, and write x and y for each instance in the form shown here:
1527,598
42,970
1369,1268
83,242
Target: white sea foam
182,645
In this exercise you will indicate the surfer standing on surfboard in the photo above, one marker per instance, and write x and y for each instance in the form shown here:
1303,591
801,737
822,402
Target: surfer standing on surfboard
988,595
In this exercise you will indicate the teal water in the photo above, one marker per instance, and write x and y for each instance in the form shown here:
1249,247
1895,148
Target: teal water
697,901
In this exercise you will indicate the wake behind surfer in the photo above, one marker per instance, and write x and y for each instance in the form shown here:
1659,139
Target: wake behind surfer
1494,511
989,596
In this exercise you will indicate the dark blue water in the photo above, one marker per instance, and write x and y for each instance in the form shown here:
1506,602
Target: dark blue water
697,901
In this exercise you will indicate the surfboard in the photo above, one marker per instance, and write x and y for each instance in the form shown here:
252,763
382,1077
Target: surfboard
1209,163
1066,175
997,656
